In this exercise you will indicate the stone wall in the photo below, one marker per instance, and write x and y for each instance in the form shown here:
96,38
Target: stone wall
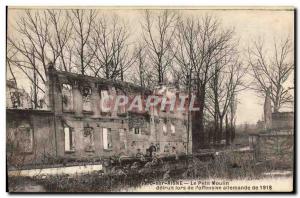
277,148
283,120
39,144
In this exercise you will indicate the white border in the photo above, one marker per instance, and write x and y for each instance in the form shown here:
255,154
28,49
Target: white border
3,4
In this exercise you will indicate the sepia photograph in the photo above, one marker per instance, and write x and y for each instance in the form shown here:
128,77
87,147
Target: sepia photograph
150,99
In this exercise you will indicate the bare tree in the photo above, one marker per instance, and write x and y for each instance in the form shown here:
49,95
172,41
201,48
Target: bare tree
82,23
232,117
141,57
140,74
182,69
68,39
60,39
112,56
203,45
272,71
43,37
10,53
223,89
158,32
32,50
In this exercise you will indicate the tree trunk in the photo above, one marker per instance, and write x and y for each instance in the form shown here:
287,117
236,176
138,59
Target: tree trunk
141,75
81,61
159,74
220,132
210,135
122,74
276,108
216,129
227,132
107,70
198,123
232,130
35,101
232,133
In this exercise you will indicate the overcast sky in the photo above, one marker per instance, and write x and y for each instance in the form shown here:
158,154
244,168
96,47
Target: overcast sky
249,24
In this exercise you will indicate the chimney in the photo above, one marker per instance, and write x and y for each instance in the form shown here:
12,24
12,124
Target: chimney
50,86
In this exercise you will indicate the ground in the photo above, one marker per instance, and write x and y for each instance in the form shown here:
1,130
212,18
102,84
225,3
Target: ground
230,166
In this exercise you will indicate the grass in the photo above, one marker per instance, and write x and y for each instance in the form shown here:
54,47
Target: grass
233,165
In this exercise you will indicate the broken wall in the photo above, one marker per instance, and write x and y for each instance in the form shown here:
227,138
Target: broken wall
33,129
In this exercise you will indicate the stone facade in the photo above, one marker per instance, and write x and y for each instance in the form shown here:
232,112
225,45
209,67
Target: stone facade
283,121
275,147
277,143
30,136
274,136
75,127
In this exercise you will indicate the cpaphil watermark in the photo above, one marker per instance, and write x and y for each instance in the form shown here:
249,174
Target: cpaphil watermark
139,103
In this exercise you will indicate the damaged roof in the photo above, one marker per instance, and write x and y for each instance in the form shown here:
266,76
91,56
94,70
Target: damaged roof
116,83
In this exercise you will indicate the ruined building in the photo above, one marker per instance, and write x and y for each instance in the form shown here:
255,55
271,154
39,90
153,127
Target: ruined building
15,97
76,128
